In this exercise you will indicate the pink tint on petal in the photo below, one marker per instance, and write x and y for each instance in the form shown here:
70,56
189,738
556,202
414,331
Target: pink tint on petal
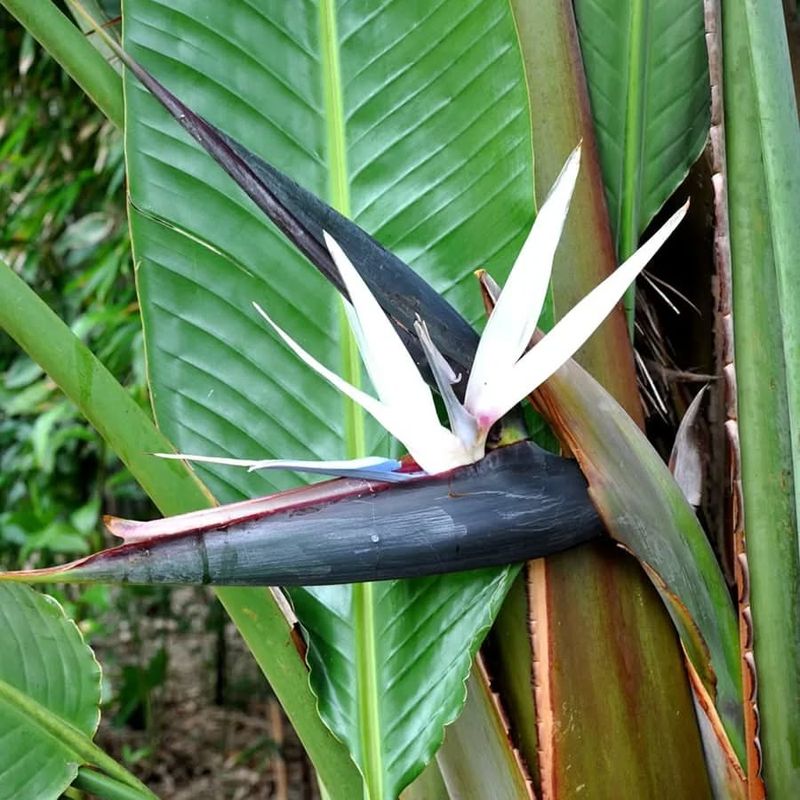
486,418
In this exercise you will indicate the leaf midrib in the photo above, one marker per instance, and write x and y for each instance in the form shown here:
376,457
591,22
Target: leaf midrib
634,141
355,434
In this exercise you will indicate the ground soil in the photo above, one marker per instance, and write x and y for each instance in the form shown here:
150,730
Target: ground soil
181,740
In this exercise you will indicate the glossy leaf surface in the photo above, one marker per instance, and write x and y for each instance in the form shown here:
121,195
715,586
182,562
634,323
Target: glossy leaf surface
647,72
57,677
413,121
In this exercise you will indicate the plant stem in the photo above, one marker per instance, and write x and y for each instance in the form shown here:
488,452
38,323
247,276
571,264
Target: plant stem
339,191
355,438
629,221
763,147
100,785
67,44
780,151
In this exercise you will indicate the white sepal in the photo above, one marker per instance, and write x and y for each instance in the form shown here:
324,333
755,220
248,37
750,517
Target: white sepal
383,469
513,320
571,332
392,370
433,447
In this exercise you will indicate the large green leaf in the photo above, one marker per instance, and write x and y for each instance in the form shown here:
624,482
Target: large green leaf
49,685
413,120
763,171
420,654
49,703
647,72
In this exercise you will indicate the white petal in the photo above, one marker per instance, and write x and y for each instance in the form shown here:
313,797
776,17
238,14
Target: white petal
462,423
433,447
437,362
570,333
369,468
393,372
513,320
380,411
228,462
375,463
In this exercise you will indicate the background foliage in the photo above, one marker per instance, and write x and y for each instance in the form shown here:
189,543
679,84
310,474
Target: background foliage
63,228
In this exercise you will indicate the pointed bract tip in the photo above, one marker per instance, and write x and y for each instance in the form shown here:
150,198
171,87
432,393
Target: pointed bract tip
110,522
489,284
330,242
122,528
576,152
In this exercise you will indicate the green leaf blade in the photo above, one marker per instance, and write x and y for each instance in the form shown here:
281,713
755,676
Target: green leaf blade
221,385
763,142
45,659
647,72
417,696
194,327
